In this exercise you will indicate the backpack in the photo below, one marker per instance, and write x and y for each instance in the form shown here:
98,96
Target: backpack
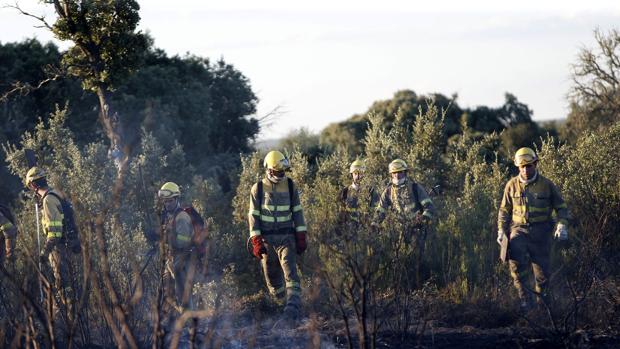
261,195
70,229
199,236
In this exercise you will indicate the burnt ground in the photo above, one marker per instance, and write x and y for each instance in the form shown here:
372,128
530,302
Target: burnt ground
313,333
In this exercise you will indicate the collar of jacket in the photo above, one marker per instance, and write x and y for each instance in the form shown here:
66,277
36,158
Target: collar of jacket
529,181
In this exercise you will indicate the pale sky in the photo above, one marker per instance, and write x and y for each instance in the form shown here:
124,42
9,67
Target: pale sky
323,61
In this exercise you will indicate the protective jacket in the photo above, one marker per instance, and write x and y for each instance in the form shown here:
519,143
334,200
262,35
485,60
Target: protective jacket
179,228
529,203
278,210
408,199
52,217
351,196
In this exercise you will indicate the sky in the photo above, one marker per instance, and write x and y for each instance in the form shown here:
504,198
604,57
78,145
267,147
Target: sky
320,62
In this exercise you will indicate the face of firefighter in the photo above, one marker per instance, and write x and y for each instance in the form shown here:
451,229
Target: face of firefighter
357,177
170,204
528,171
275,176
398,178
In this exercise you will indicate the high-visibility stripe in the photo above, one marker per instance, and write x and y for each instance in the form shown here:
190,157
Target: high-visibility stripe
562,205
278,291
255,213
539,209
297,208
278,208
301,228
267,218
426,201
54,235
6,226
254,232
53,223
183,238
291,284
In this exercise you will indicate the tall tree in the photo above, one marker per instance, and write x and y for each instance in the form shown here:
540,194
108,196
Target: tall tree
595,95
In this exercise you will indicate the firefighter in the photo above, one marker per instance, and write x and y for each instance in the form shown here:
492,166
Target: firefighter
525,218
350,195
184,252
7,237
278,232
413,209
52,220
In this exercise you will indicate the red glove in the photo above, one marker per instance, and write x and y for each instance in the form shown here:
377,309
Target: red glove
258,246
300,242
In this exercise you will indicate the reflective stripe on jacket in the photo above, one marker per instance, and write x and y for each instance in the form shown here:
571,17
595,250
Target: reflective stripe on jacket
535,202
276,211
180,230
7,228
402,198
52,215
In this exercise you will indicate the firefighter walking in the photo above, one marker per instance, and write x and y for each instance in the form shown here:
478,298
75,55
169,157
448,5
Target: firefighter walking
525,218
185,243
413,208
357,198
55,250
278,232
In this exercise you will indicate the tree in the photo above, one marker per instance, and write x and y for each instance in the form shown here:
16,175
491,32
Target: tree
595,95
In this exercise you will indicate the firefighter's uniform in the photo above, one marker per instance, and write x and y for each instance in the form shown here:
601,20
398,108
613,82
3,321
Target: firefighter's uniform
7,239
55,249
179,231
277,220
526,212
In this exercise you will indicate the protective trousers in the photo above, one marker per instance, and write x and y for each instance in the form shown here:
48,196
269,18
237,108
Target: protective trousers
59,260
179,275
533,240
280,269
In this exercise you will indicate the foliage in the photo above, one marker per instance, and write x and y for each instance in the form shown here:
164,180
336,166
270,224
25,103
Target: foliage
595,94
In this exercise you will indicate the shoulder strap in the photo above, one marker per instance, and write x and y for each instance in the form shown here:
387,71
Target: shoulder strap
259,193
61,200
414,189
344,194
290,191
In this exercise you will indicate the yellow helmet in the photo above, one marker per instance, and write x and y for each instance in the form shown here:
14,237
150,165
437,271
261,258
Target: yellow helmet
34,173
398,165
275,160
525,156
169,190
357,165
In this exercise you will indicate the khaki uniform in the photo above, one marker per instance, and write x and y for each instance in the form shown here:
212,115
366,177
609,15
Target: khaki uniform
55,249
7,238
276,218
409,200
354,198
180,269
526,212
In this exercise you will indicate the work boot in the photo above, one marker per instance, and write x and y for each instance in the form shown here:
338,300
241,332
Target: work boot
288,320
